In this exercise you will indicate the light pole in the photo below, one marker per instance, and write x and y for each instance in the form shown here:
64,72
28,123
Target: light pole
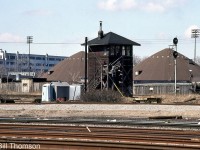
195,35
29,41
175,54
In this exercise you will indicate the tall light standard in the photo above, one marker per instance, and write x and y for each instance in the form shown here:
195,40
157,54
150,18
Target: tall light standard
195,35
175,54
29,41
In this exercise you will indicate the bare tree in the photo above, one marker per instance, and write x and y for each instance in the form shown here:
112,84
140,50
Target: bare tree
74,77
198,60
137,59
3,70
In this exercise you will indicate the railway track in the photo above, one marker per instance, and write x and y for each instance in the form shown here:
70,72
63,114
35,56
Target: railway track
35,102
56,137
131,122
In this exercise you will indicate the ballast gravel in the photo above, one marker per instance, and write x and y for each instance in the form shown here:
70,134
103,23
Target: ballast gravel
98,110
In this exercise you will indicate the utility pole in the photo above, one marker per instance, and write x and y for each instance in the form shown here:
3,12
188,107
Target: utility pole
86,44
29,41
195,35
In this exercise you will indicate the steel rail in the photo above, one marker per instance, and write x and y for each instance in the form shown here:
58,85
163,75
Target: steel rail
103,137
119,122
85,144
120,133
127,130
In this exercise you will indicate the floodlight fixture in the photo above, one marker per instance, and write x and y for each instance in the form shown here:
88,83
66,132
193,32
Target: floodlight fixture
195,34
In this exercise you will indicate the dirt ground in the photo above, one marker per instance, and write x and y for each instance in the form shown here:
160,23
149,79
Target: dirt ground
105,110
187,99
173,99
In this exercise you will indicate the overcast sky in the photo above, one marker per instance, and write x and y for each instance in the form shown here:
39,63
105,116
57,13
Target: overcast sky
152,23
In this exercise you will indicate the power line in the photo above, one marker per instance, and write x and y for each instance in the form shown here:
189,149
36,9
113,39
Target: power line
37,43
142,41
13,42
163,41
58,43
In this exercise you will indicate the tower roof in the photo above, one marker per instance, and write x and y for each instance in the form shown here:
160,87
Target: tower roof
112,38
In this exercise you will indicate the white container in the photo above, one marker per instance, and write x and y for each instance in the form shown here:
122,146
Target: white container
47,93
60,91
74,92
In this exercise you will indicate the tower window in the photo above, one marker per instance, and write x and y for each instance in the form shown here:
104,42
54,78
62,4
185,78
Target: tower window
118,51
123,50
112,51
128,51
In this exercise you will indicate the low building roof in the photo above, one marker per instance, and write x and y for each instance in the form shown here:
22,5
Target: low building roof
70,70
160,67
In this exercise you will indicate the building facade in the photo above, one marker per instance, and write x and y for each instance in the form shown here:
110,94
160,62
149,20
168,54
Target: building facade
16,62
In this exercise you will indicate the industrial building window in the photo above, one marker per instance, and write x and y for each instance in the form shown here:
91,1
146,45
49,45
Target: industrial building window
38,58
19,57
52,59
51,65
12,63
32,57
58,59
12,57
38,64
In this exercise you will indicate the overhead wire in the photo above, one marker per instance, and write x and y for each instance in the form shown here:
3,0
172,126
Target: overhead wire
144,41
164,41
38,43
